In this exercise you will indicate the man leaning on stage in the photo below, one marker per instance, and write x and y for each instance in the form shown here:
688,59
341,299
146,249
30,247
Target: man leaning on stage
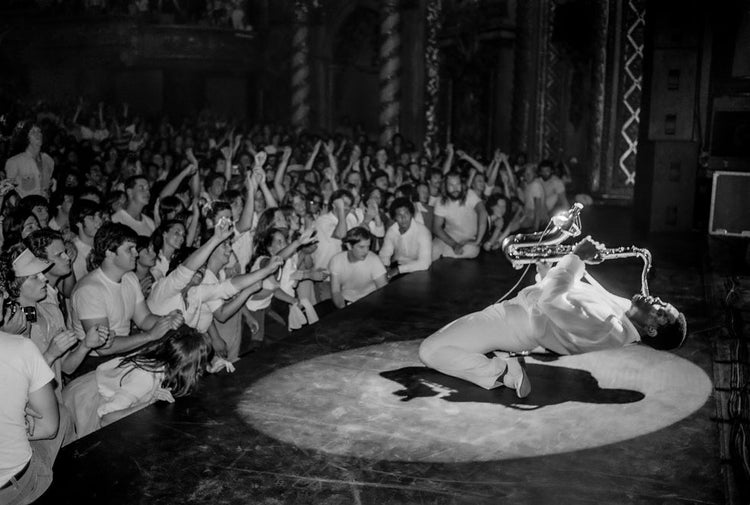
110,294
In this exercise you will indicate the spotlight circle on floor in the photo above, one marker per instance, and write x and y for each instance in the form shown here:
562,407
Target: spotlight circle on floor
379,402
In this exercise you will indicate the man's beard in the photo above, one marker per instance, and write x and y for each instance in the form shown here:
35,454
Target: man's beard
457,196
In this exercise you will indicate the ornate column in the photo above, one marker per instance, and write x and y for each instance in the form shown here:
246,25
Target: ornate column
301,66
523,74
434,21
598,95
390,67
548,141
634,21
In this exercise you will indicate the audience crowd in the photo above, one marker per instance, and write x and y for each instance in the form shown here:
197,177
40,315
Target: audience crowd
136,252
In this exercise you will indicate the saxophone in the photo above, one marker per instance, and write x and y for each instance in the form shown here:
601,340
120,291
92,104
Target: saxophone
546,246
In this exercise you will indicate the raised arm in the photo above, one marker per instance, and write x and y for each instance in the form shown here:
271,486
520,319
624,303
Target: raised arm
278,180
313,155
246,218
448,163
170,188
260,159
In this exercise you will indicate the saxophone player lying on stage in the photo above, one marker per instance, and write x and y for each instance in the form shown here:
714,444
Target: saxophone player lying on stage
560,313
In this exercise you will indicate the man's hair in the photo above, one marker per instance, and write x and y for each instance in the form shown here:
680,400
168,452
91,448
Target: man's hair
88,191
108,238
340,193
80,210
668,336
356,235
401,203
210,178
21,136
546,163
217,207
464,192
377,174
58,197
130,182
31,201
39,240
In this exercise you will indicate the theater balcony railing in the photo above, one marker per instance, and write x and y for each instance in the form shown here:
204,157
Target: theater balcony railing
118,41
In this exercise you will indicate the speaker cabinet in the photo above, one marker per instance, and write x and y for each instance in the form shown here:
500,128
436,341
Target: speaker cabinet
673,87
730,212
665,187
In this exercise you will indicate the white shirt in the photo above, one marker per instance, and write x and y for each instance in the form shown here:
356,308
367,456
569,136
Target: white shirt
460,219
29,178
96,296
411,250
79,265
554,193
145,227
202,300
328,246
357,279
22,371
569,316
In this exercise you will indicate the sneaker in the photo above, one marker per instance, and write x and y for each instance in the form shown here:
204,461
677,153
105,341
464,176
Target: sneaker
515,377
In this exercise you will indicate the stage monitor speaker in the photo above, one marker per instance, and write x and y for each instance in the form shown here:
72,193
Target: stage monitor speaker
665,186
730,211
672,100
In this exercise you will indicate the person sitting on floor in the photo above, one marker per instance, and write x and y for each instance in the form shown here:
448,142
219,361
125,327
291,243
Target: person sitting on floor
356,272
407,243
460,221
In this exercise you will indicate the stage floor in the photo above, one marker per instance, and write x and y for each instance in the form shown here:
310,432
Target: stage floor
344,413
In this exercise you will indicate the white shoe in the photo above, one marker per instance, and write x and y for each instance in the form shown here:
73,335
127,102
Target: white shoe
515,377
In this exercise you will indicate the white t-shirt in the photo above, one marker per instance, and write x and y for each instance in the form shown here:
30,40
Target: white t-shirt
460,220
412,250
533,191
328,246
29,178
202,300
22,371
554,193
145,227
96,296
357,279
79,265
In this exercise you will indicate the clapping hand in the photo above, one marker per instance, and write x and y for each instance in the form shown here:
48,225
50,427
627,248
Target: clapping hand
260,159
96,337
61,343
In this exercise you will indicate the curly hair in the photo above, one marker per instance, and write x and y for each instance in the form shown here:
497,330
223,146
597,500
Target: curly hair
21,136
182,355
10,283
13,226
39,240
108,238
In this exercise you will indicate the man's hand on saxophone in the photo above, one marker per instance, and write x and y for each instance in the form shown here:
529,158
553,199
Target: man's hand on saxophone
589,250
